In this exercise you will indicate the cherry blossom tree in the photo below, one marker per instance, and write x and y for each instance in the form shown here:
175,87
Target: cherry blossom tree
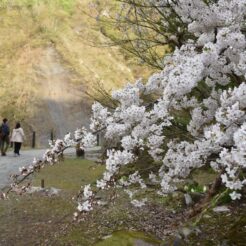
205,78
203,81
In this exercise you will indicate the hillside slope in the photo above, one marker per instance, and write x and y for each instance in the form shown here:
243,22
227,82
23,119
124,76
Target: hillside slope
47,62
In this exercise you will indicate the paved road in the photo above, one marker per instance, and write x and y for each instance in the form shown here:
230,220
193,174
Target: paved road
10,164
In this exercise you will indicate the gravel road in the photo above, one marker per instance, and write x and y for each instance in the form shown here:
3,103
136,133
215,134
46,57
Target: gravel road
10,164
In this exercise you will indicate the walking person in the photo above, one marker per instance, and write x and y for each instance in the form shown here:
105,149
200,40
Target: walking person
17,138
4,137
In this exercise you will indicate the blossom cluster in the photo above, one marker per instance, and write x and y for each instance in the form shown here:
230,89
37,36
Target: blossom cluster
205,78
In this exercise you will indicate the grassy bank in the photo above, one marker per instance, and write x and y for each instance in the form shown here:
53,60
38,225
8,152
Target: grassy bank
32,219
44,219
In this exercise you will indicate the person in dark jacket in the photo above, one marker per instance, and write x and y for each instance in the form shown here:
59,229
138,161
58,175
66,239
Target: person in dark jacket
4,137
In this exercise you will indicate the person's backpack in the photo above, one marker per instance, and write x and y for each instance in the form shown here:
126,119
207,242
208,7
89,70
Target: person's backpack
1,131
4,130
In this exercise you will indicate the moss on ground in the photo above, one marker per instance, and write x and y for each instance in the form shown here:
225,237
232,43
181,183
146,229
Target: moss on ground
69,175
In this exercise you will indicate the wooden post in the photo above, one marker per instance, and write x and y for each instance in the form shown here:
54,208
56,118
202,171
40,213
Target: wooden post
97,139
33,139
51,135
42,183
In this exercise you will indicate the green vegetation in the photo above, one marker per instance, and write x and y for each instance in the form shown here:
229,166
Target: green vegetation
69,175
39,216
65,4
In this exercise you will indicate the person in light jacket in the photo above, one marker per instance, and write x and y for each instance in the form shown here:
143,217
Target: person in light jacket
17,138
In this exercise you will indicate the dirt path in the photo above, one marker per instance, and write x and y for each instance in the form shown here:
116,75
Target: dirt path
63,106
10,164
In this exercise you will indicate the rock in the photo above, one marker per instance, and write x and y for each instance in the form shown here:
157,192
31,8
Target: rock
50,192
206,216
102,203
221,209
34,189
139,242
106,237
188,199
186,231
53,191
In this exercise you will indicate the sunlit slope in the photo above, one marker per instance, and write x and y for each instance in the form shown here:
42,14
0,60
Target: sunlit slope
47,61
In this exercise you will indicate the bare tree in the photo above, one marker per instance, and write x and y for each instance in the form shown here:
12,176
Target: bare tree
143,28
